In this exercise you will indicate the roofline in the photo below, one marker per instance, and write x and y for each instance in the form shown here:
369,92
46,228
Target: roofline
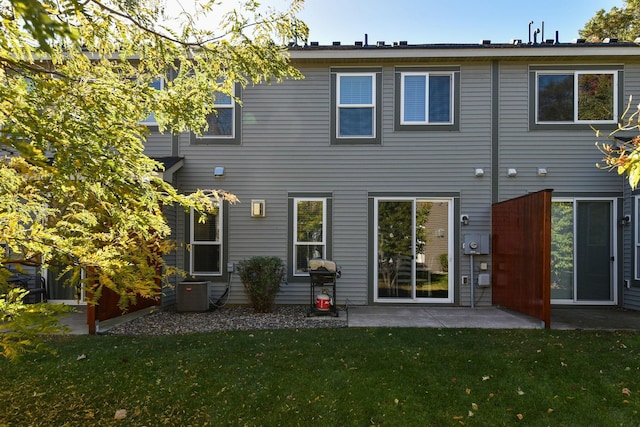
484,50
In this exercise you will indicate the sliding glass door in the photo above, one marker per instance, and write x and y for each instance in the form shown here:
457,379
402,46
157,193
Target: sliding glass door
413,246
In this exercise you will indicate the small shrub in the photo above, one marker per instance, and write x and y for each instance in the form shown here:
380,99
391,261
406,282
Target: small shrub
261,277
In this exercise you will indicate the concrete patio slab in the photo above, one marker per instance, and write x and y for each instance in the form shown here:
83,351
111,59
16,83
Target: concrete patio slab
567,318
439,317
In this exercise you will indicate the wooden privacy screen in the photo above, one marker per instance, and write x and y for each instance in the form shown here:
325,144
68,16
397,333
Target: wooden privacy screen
521,255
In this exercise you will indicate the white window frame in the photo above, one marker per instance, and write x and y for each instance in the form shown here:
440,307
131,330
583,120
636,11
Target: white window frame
297,243
576,74
193,218
217,107
372,105
426,75
154,122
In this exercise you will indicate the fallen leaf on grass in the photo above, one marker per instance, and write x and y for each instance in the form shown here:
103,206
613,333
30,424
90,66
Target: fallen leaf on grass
626,391
468,391
474,406
121,414
520,392
520,417
81,357
486,377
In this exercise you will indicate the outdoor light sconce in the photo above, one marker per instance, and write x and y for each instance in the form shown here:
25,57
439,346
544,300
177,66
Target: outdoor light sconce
512,172
625,220
258,209
542,171
464,219
479,172
218,172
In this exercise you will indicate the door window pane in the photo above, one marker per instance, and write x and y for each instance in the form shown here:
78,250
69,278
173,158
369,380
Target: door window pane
395,248
432,249
562,244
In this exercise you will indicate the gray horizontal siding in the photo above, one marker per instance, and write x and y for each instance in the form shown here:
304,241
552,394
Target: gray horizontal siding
158,145
569,156
286,148
631,299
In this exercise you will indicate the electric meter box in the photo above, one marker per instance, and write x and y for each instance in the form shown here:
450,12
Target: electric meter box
476,244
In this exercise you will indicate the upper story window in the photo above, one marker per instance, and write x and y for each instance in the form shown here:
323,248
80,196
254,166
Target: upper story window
427,98
356,108
223,123
205,256
157,84
582,96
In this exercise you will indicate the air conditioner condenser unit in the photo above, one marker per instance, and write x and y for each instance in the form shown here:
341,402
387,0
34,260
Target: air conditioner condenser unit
193,296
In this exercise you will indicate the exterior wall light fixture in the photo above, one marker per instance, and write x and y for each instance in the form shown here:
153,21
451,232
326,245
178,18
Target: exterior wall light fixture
512,172
258,208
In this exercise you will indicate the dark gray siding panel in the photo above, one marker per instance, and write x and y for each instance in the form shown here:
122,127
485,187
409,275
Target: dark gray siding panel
286,148
158,145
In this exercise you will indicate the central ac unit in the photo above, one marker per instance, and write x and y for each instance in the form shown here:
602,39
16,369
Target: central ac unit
193,296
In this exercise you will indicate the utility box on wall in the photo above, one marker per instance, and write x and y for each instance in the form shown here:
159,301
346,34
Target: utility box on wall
193,296
476,244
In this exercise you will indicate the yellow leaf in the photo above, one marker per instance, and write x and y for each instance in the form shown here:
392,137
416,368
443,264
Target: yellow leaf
520,416
468,391
474,406
121,414
626,391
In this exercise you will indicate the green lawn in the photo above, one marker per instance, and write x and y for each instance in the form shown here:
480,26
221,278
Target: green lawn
331,377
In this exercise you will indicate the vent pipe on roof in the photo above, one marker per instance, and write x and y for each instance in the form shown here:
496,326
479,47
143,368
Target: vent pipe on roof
530,24
542,35
366,39
557,37
535,35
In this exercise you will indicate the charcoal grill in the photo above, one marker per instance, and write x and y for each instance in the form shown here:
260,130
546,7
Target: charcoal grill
322,279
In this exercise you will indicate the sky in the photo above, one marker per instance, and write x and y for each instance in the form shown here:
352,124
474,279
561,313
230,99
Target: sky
450,21
431,21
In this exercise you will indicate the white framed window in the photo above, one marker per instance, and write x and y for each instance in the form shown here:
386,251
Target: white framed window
309,232
221,122
586,96
157,84
426,98
205,255
356,105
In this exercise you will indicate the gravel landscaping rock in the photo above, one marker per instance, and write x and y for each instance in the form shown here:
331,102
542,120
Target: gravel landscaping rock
227,319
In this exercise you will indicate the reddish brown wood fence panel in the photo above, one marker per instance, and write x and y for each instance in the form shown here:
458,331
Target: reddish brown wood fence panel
521,255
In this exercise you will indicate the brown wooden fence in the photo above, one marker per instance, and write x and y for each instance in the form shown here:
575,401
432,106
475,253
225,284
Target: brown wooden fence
521,255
